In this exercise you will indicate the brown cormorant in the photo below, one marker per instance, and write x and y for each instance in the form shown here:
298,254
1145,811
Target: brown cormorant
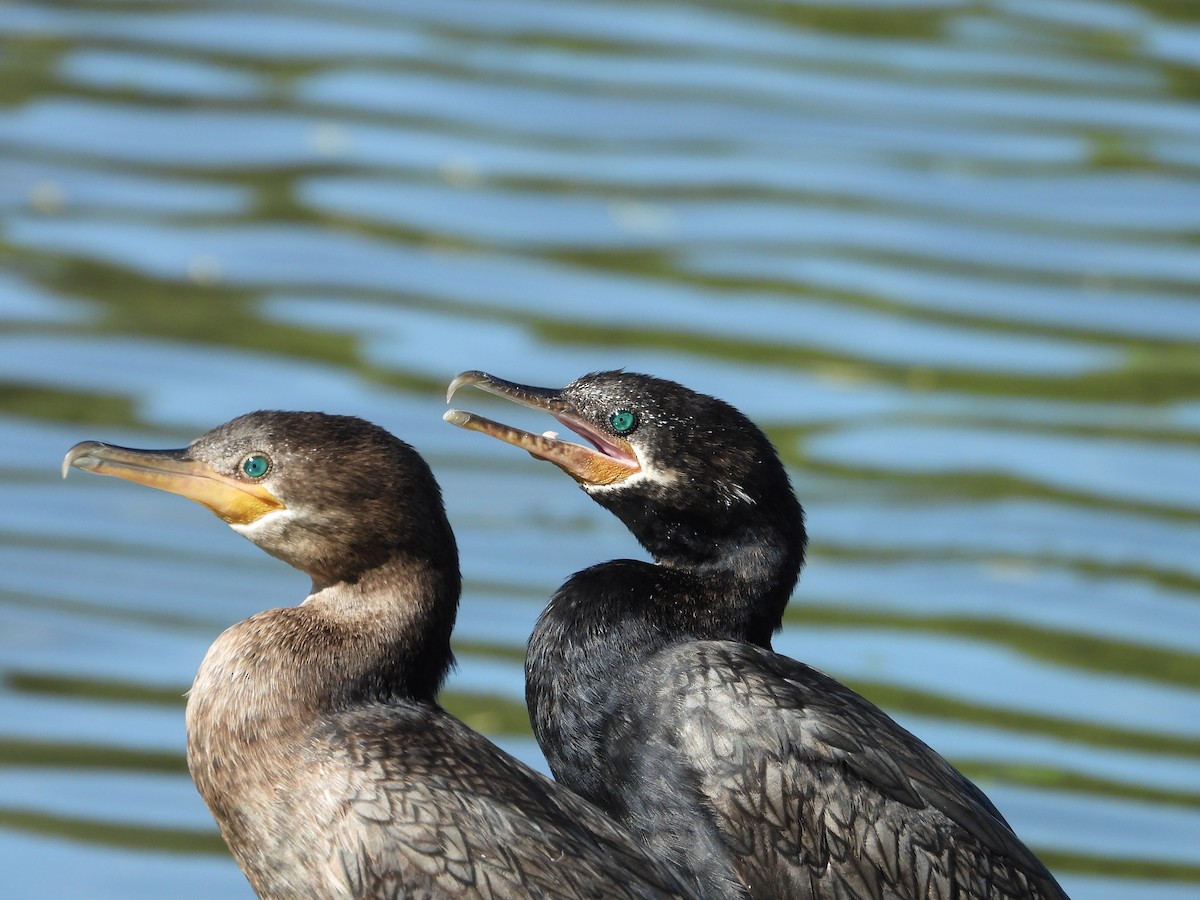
313,731
655,694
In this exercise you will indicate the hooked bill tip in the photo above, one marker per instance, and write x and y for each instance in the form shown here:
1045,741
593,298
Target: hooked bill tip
473,376
77,455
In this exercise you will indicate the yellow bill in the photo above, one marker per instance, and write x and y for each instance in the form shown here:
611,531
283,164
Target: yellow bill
237,502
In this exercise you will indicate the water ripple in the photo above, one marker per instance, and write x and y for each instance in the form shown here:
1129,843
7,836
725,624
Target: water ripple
943,251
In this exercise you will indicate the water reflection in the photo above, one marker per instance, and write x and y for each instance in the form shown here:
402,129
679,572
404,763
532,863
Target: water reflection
943,251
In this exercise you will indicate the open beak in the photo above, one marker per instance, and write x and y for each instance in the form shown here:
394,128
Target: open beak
610,462
237,502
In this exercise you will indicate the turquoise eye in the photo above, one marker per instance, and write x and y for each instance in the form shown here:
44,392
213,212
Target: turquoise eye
623,422
256,465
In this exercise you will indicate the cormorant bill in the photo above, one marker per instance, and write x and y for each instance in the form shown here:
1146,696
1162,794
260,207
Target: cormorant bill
313,731
655,694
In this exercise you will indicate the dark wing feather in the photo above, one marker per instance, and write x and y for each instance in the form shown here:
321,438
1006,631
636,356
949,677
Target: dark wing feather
430,808
819,793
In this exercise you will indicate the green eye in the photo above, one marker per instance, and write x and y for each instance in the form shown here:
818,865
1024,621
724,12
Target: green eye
256,465
623,422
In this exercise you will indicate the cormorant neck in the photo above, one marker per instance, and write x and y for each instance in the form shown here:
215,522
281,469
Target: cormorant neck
394,622
726,577
381,637
639,606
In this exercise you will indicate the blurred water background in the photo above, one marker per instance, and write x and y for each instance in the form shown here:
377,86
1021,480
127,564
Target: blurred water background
946,252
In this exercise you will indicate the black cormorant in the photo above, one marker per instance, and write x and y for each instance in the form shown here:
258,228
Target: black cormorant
313,731
655,694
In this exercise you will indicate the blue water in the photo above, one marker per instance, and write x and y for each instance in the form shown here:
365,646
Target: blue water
944,252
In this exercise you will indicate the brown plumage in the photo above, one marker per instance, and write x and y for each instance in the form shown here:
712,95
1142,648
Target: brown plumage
314,733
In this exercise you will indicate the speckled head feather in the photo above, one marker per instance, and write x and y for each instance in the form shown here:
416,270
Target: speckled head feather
696,452
695,481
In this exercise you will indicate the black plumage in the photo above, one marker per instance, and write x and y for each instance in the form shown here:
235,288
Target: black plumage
314,734
654,691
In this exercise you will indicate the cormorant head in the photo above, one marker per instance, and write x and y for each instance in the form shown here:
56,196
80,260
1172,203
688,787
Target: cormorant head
691,476
333,496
